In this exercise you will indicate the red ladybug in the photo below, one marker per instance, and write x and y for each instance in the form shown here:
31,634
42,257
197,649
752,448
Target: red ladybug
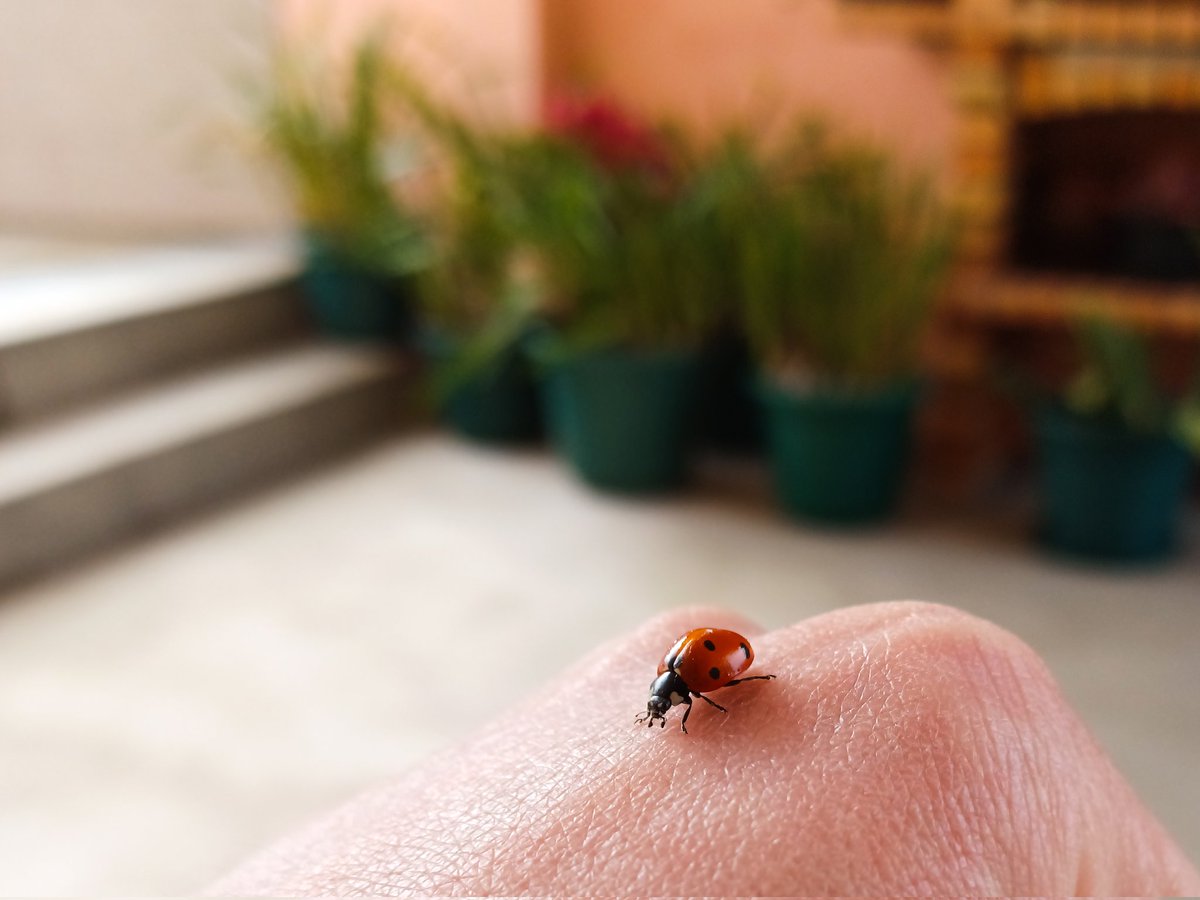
701,661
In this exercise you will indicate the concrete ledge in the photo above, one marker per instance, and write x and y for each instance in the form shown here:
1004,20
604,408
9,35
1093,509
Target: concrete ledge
71,487
63,296
49,376
72,335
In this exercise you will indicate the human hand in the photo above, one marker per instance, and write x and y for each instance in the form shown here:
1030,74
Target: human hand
904,749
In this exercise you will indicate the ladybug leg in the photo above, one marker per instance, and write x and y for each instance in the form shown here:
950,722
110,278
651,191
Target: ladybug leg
712,703
687,712
750,678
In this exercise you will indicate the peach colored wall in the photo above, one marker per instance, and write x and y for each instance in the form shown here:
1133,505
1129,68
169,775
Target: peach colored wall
485,54
706,60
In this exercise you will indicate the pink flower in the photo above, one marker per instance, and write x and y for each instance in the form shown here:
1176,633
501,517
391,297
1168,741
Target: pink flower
613,137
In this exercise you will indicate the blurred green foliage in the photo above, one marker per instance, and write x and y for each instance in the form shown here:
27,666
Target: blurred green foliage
328,128
1116,382
839,257
596,246
605,231
623,254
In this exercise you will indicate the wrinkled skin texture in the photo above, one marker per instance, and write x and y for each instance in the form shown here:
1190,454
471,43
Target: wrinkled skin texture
904,749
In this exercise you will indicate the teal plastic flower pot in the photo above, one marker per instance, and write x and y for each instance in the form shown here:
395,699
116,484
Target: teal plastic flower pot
838,458
351,303
624,419
495,404
1109,494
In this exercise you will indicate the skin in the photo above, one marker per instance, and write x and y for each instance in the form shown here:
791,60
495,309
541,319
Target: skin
904,749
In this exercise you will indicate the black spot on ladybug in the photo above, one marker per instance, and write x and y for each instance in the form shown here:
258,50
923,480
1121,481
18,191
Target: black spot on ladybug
745,650
714,673
709,645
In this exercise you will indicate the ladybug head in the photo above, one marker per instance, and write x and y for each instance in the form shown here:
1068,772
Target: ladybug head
656,707
667,690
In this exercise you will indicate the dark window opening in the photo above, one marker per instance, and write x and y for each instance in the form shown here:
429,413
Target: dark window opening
1110,194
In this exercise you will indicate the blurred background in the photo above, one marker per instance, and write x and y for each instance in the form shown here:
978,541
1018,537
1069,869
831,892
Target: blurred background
343,342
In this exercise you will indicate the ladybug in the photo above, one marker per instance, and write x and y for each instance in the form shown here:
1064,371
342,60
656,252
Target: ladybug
701,661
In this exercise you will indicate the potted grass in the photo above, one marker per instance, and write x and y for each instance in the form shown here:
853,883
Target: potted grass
327,130
1116,453
478,304
840,260
612,224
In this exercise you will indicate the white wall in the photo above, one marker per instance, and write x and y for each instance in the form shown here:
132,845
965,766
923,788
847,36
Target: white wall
117,117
